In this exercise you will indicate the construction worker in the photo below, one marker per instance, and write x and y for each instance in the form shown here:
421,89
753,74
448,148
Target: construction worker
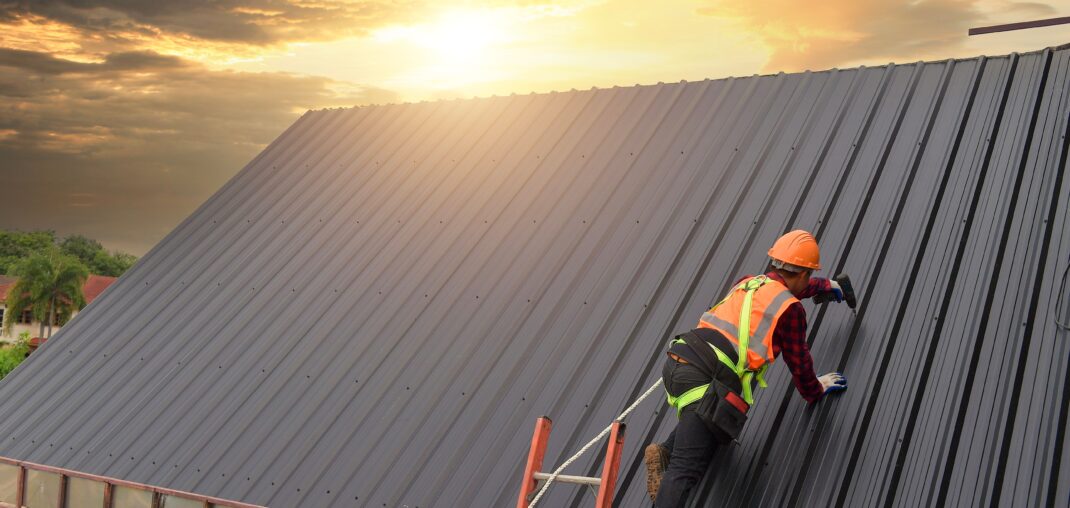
710,371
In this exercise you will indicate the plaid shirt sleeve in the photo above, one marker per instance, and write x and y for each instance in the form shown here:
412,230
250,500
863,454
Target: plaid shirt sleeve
817,286
789,338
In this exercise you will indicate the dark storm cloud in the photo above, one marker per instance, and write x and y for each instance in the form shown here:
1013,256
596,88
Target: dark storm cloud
124,149
45,63
819,35
258,22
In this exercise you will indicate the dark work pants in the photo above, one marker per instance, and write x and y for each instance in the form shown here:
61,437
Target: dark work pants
691,444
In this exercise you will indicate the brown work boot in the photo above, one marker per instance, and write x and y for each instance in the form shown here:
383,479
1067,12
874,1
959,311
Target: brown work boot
656,458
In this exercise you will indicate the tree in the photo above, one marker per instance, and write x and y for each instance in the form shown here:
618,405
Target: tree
50,286
11,356
93,254
81,247
17,245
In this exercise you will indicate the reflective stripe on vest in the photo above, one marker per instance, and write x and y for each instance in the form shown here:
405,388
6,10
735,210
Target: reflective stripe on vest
768,300
754,305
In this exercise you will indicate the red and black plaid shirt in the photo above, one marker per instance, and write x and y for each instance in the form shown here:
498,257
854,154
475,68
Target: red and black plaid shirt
789,339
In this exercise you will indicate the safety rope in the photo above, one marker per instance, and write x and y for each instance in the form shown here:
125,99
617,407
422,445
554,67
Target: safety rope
592,442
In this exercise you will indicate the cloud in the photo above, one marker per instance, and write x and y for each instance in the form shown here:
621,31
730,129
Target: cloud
150,136
257,22
819,35
43,63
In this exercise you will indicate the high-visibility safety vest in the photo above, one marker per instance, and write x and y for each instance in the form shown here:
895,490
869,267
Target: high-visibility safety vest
747,318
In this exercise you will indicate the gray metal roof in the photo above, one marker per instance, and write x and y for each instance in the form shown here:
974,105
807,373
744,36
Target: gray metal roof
375,310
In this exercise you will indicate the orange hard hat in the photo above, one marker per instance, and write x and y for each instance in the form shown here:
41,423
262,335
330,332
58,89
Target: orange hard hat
797,248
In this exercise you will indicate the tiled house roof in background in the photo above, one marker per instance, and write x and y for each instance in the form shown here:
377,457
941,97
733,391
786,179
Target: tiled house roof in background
6,283
452,270
95,285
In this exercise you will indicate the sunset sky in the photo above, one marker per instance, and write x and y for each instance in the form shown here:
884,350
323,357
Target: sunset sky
120,117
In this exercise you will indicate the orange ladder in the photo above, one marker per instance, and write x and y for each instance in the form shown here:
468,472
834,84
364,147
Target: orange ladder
534,477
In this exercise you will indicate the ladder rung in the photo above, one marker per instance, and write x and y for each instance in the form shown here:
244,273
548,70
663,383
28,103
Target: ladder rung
583,480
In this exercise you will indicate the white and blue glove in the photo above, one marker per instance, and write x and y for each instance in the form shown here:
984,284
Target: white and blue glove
837,291
833,382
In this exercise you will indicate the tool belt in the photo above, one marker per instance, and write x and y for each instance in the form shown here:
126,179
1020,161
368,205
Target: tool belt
720,408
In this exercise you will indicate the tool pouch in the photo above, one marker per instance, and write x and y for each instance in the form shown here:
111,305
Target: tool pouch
722,410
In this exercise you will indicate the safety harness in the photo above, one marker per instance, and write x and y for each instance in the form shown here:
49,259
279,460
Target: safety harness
746,375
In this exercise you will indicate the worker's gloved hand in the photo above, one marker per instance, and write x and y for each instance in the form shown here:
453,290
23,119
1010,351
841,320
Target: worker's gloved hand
836,291
841,291
833,382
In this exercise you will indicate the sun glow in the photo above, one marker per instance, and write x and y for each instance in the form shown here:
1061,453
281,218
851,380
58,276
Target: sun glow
456,49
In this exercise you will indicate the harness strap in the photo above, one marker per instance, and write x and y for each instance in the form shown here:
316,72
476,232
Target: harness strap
740,366
687,398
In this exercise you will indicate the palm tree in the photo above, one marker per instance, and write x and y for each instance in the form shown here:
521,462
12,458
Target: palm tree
50,286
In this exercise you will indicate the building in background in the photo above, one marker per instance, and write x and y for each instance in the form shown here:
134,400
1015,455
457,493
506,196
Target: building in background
93,287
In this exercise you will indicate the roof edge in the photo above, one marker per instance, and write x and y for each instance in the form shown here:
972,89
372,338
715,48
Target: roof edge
639,85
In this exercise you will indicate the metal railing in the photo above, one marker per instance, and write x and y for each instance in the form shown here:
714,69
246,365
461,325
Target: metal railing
158,493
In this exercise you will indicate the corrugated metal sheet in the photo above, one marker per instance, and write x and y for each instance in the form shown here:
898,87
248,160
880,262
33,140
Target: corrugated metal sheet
374,311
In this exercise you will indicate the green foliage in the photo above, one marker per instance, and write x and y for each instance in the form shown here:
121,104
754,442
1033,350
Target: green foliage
112,264
16,246
80,247
92,253
50,286
12,355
